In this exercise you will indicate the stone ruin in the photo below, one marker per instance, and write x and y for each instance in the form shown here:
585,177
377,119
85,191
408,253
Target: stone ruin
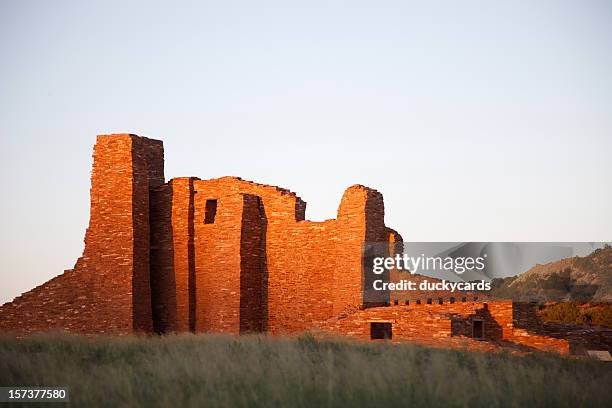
232,256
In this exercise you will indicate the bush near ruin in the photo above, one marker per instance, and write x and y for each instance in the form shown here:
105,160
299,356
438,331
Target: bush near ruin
595,314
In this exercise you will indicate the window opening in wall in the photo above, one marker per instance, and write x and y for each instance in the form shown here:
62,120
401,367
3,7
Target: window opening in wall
210,212
380,331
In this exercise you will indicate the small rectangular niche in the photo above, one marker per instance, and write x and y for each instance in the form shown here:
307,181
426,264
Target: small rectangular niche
381,331
478,329
210,212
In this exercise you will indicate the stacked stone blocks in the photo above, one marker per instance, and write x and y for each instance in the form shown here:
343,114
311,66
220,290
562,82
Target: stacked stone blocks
233,256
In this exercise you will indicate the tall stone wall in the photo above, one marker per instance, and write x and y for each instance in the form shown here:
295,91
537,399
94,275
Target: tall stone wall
108,291
153,261
217,263
256,264
289,271
360,220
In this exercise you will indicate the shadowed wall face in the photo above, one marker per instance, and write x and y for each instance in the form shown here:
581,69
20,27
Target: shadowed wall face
147,173
163,270
172,256
253,268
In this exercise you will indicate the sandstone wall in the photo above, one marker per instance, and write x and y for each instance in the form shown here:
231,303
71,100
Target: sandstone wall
546,335
407,323
360,221
305,270
435,324
63,303
153,262
228,255
580,338
108,291
539,342
423,321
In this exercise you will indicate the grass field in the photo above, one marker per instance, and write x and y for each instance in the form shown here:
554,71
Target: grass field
250,371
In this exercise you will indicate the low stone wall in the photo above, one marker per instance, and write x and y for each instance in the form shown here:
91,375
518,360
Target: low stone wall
579,338
64,303
447,325
542,343
427,321
407,323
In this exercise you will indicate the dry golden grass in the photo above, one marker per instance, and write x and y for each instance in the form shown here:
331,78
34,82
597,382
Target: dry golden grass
252,371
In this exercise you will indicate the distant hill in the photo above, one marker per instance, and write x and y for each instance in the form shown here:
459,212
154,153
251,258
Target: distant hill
585,279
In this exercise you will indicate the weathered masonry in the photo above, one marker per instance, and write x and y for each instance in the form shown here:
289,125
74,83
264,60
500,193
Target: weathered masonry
229,255
222,255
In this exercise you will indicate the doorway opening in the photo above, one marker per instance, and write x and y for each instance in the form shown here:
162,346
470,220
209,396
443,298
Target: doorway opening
478,329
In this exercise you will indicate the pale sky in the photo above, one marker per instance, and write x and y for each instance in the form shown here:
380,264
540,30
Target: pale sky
477,120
